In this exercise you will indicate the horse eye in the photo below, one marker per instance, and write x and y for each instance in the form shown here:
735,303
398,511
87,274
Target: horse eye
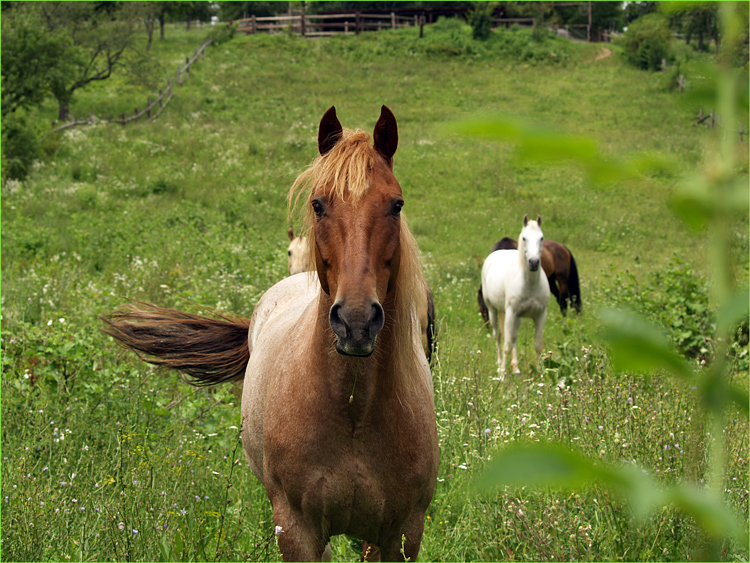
318,208
396,206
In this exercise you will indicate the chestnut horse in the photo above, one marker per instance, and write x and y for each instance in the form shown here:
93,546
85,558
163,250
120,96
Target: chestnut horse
514,286
560,268
337,407
299,261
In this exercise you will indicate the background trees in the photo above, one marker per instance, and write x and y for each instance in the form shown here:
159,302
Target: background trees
79,42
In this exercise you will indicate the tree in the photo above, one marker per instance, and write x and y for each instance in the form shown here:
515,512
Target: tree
635,10
189,11
480,19
31,58
89,41
149,14
699,19
237,10
647,41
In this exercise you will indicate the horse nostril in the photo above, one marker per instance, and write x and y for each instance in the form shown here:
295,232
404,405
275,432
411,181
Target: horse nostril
337,323
377,319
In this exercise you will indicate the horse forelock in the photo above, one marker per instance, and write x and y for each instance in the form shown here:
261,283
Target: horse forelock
343,172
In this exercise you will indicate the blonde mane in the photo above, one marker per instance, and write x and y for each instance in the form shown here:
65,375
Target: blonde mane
345,172
345,168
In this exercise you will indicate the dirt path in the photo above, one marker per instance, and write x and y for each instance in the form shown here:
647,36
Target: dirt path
604,54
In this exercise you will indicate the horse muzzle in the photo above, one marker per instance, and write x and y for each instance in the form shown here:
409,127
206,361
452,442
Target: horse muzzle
533,264
356,329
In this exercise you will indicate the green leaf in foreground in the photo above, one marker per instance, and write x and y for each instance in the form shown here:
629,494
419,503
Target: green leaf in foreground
733,311
553,465
637,345
537,143
696,204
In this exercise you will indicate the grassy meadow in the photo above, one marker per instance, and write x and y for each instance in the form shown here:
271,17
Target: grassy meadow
104,458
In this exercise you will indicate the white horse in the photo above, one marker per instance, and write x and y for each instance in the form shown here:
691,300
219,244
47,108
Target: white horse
514,286
298,255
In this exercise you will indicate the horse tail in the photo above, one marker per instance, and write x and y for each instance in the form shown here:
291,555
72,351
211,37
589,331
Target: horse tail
431,328
483,306
574,288
208,350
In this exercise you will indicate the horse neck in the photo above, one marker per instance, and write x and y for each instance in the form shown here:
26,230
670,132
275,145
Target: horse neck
358,384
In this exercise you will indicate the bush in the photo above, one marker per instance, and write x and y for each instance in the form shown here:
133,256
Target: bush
480,19
676,298
20,147
647,42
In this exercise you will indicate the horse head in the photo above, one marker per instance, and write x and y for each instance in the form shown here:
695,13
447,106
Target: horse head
297,253
530,242
355,210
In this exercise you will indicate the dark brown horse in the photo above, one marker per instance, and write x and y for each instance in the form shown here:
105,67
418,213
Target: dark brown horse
337,407
561,271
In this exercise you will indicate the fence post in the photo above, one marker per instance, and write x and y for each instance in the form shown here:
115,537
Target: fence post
123,119
255,24
302,24
421,26
148,113
356,23
393,20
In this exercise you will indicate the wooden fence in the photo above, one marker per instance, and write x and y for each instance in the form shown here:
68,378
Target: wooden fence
153,108
313,25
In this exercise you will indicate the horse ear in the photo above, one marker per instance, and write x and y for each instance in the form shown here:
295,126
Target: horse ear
539,220
290,233
525,220
386,134
329,132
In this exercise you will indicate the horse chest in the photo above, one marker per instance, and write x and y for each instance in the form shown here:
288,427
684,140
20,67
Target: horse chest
526,306
353,481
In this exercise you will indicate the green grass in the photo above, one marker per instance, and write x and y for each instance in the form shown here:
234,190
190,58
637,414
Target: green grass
189,211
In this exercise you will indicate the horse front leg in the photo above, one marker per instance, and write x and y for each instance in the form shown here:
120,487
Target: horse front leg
539,332
512,322
405,546
298,539
497,319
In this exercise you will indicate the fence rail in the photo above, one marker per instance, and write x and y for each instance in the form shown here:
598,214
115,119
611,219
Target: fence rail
314,25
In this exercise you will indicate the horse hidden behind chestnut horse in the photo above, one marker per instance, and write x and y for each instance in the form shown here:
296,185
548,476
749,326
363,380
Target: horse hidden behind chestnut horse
337,407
